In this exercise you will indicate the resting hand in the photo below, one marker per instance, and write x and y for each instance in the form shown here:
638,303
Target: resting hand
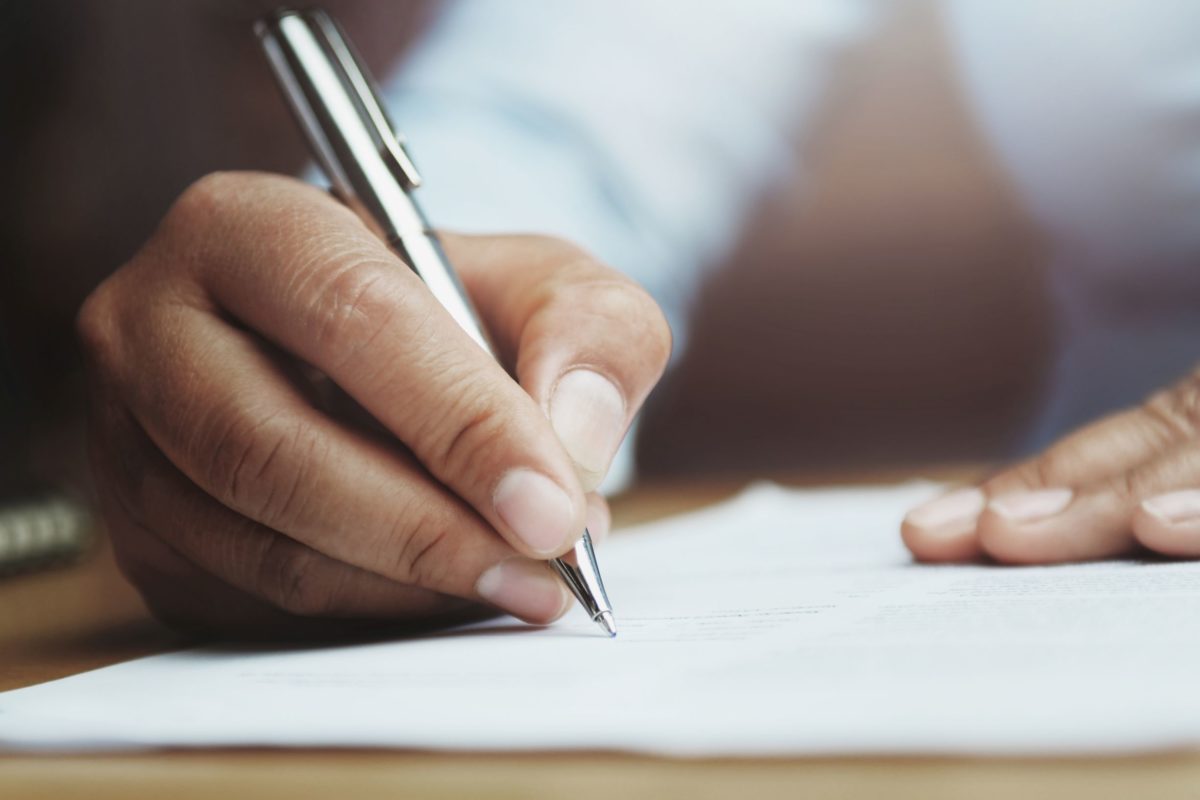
239,498
1132,479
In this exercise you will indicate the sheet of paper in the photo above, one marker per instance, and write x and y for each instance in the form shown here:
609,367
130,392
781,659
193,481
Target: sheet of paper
781,622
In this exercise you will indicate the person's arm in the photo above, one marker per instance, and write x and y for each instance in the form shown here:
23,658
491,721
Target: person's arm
644,132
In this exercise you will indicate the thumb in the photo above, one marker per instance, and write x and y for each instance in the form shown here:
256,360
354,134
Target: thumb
586,342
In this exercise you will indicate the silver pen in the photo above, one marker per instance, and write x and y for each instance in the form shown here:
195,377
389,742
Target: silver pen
336,104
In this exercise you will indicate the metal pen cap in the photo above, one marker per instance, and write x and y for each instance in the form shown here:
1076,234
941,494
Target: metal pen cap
361,152
359,149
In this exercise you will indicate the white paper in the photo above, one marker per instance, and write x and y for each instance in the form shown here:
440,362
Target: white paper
782,622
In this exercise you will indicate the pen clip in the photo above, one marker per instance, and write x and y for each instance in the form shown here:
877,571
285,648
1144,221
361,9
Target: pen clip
388,139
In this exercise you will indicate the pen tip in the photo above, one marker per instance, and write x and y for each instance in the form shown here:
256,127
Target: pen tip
605,620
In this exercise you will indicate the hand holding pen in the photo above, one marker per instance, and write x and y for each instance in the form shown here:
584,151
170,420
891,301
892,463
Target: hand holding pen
244,496
333,99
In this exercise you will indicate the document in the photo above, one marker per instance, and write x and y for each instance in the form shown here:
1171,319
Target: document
782,622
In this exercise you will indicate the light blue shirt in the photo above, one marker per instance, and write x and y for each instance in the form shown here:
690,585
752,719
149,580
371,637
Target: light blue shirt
646,131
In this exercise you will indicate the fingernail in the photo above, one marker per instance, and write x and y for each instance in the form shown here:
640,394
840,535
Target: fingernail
537,510
588,413
525,589
949,514
1031,506
1175,507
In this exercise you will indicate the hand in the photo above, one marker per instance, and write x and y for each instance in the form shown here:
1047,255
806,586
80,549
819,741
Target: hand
240,499
1131,479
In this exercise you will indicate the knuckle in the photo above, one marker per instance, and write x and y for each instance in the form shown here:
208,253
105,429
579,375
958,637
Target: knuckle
1174,471
632,310
258,464
1126,487
201,215
213,208
1043,470
1176,411
420,545
352,306
96,327
659,337
289,578
205,197
462,435
551,248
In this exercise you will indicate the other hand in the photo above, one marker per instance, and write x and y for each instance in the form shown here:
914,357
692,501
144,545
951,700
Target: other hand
1129,481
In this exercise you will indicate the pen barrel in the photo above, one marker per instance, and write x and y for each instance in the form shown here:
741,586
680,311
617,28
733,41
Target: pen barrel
358,148
582,577
422,251
339,110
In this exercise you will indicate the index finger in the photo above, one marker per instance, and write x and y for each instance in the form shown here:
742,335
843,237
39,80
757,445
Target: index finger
304,272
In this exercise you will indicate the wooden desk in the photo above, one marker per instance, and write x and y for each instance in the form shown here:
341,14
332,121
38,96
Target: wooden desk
84,617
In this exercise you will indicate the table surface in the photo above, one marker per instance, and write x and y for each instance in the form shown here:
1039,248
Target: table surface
74,619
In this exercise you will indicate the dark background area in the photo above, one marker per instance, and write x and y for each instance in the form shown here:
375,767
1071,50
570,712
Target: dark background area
886,309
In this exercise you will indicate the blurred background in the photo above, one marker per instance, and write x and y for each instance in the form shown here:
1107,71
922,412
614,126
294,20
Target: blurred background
889,308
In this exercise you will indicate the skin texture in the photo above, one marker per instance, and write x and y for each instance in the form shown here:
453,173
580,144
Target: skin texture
290,437
1115,487
289,434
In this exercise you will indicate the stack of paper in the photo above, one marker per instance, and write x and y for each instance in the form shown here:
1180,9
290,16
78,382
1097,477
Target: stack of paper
782,622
